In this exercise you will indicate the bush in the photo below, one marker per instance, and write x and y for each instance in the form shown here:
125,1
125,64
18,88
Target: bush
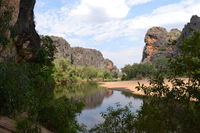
66,74
117,120
137,71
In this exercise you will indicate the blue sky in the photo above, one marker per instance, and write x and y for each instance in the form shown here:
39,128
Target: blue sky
115,27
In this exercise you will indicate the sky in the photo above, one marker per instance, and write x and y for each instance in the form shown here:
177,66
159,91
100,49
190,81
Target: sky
115,27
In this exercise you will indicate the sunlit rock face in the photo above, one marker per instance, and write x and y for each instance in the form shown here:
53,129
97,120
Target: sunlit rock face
25,40
81,56
87,57
91,57
159,43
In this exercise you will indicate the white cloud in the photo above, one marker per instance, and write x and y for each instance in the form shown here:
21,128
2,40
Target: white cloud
100,10
79,22
137,2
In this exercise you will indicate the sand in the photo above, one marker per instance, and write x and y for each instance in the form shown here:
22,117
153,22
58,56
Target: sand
129,86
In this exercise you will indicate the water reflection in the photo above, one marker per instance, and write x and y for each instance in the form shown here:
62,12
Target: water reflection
95,100
101,100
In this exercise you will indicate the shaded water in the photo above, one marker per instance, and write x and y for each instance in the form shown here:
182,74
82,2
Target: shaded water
99,102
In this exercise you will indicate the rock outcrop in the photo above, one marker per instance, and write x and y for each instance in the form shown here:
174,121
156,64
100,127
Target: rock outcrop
159,43
81,56
63,49
87,57
25,40
188,30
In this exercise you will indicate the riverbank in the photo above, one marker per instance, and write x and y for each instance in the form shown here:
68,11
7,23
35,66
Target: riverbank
129,86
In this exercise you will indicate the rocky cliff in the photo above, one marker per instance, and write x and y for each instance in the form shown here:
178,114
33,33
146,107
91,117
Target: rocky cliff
24,38
159,43
188,30
81,56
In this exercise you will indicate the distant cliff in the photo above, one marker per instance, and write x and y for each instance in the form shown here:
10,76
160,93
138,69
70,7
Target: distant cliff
21,31
81,56
160,43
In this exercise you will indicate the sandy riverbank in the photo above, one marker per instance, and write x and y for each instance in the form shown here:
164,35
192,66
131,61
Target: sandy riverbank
128,85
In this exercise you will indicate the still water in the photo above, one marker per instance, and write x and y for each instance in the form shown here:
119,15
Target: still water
99,102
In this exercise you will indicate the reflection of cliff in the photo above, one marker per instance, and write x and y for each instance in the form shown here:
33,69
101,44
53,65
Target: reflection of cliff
96,99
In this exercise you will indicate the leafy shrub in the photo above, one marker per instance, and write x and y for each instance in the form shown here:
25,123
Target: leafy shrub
137,71
117,120
65,73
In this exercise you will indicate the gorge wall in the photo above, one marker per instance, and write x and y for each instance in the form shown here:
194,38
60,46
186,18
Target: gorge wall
159,43
24,39
81,56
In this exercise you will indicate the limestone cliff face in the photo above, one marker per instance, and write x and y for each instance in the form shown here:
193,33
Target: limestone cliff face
87,57
159,43
63,49
25,40
81,56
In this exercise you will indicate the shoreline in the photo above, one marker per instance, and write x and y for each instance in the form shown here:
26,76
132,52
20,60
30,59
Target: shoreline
126,86
130,86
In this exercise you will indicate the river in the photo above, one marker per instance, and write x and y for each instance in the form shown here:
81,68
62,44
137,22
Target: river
99,102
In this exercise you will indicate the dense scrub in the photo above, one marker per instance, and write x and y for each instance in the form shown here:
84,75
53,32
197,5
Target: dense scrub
27,94
65,73
139,71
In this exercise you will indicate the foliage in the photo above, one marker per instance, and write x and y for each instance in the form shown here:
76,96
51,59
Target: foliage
117,120
24,125
59,115
137,71
175,108
45,55
29,88
65,73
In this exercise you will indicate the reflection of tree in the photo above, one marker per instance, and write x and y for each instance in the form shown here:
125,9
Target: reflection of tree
96,99
129,95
